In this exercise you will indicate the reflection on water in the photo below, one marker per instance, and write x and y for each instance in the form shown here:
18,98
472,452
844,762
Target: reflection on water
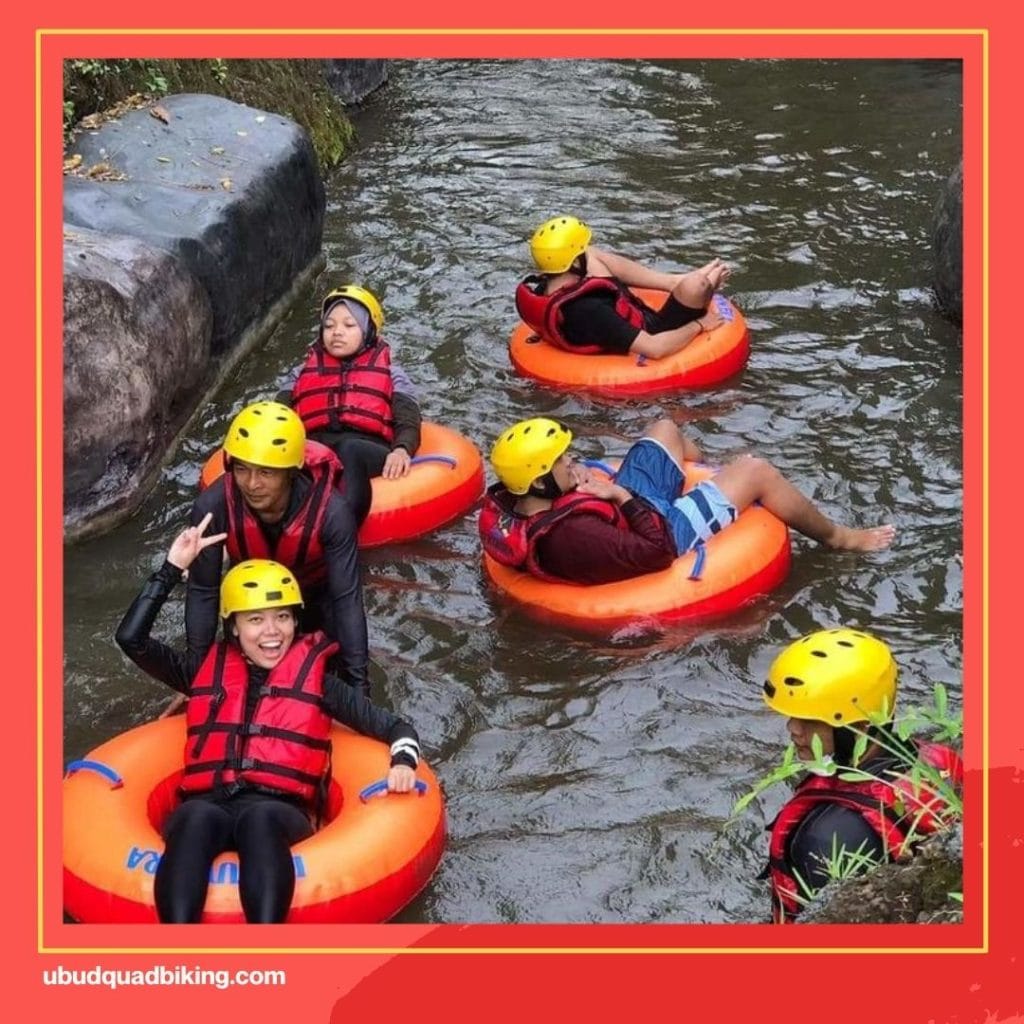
589,780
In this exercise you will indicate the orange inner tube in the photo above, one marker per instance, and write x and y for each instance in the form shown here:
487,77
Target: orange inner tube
745,560
364,865
709,359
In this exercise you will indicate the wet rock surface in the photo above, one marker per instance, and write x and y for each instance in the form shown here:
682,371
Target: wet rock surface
947,246
211,211
915,892
353,80
137,326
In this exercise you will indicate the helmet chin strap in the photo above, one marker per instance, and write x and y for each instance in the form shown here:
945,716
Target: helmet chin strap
545,487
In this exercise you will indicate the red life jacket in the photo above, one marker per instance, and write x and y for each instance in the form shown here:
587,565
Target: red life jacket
299,547
511,539
543,313
331,394
898,811
285,746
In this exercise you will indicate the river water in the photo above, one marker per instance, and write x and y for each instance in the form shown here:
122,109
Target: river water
591,780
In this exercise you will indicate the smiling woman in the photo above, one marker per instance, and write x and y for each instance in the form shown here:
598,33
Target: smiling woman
257,761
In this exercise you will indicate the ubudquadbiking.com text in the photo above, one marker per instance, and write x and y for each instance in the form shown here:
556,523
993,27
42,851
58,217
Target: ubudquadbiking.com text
107,977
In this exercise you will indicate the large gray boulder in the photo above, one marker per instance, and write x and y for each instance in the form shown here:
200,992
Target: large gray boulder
137,327
353,80
948,246
234,192
188,230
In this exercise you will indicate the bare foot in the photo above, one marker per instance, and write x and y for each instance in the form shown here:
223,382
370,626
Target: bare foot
845,538
715,273
719,275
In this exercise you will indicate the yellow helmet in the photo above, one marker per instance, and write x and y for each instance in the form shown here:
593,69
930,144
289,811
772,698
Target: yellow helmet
255,584
557,242
837,676
267,434
361,295
528,450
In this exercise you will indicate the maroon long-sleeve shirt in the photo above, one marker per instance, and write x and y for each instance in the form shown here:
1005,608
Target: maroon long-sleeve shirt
585,549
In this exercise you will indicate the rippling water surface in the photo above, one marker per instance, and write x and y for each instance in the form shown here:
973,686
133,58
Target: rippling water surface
591,781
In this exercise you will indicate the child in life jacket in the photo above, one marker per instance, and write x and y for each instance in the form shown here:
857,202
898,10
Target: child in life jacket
549,516
353,397
832,685
257,757
581,302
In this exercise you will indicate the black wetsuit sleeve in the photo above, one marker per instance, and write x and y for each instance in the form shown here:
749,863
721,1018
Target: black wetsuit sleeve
351,708
592,320
154,657
346,615
406,412
822,833
202,599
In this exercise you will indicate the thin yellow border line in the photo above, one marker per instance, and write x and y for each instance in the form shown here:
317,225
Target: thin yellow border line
652,30
39,484
521,950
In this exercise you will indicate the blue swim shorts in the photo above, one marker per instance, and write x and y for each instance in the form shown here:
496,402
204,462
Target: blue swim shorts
649,472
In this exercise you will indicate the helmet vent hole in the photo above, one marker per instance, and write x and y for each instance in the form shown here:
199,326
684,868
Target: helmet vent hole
251,584
838,716
527,430
551,430
274,595
279,441
820,654
844,643
769,689
243,431
793,681
257,412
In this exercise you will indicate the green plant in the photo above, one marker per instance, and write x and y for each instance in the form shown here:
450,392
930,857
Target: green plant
927,780
69,119
219,69
155,82
840,864
94,68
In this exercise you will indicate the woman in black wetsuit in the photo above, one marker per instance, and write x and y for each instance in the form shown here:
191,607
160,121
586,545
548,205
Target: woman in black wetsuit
257,756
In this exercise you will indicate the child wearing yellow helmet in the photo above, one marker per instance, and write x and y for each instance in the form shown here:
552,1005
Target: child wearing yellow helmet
278,501
580,299
551,517
260,705
836,686
352,395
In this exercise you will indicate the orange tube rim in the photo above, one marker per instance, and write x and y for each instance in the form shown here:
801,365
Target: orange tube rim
709,359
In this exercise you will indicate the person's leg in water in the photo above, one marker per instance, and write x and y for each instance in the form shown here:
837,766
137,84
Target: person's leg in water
196,832
265,831
362,458
749,479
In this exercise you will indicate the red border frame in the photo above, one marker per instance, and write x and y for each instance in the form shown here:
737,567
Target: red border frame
974,978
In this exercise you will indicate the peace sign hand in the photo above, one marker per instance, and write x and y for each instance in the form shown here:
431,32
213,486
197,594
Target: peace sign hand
186,546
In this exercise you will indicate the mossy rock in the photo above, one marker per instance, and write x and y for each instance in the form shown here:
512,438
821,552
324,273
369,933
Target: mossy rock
296,88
